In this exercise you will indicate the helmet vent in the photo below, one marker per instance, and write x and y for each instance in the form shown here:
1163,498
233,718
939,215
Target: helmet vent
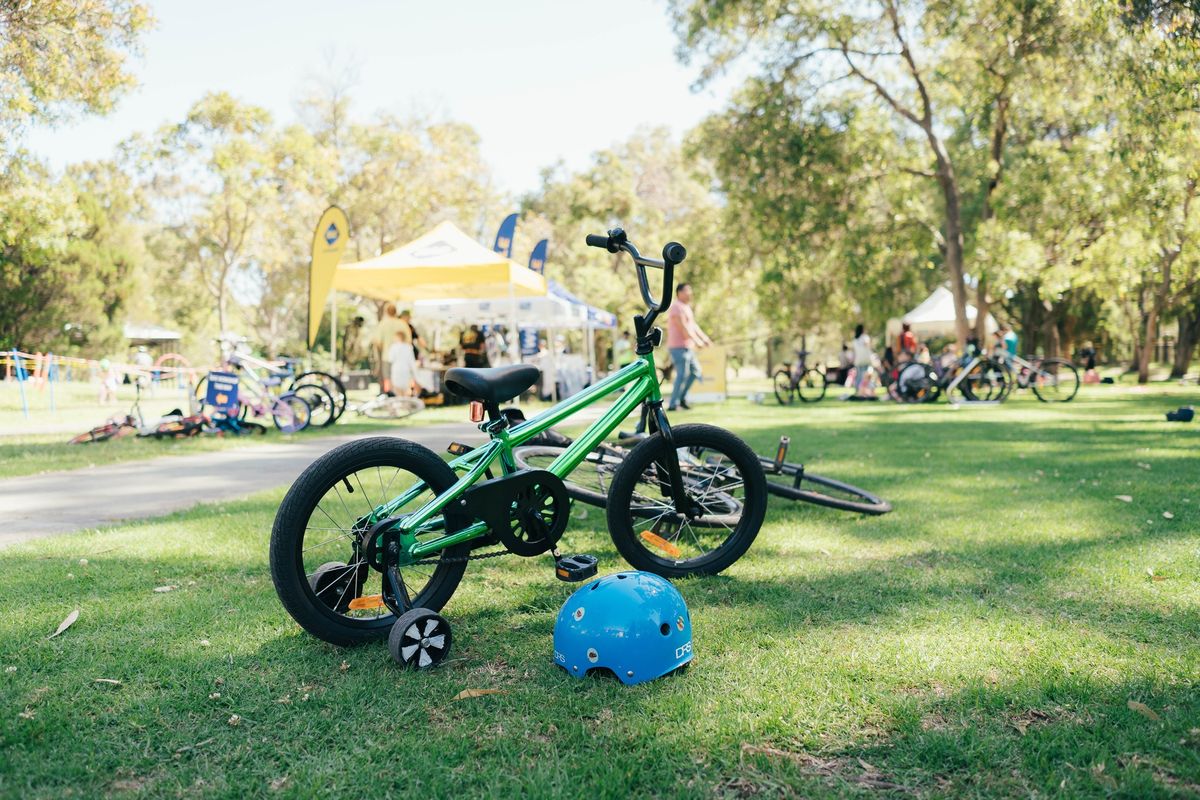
622,577
665,629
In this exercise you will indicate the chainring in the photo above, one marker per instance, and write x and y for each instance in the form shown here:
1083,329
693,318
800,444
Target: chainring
526,511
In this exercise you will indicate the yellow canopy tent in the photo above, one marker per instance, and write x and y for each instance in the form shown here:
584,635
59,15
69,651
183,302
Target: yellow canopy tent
443,264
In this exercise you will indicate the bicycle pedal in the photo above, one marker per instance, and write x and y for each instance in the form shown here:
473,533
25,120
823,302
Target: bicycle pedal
573,569
459,449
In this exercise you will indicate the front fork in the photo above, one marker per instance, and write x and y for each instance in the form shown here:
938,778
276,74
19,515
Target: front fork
657,423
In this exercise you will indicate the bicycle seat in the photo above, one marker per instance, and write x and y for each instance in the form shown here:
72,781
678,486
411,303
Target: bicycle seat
492,385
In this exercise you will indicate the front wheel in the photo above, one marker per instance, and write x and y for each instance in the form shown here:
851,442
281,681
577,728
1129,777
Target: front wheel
1054,380
726,497
811,386
330,383
291,413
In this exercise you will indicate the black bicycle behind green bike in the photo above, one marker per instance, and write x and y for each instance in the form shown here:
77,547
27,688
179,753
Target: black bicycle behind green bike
374,537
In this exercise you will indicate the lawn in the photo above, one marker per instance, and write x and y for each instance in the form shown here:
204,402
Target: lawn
1013,628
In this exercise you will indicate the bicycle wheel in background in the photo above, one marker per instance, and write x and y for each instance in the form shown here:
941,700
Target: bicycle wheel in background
784,392
988,381
392,407
727,491
794,483
811,386
290,413
322,407
331,384
1054,380
590,481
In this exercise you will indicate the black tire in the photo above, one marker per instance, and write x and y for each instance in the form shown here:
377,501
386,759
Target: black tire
811,386
630,507
331,383
784,392
420,639
824,492
988,381
1055,380
322,407
590,481
302,504
290,413
916,383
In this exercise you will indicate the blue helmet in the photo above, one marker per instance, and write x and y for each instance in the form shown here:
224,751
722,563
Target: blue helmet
633,623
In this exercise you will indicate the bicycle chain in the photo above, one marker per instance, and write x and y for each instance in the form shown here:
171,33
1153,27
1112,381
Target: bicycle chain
461,559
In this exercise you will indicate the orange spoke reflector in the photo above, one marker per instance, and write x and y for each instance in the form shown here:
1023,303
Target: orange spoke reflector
368,602
476,411
662,544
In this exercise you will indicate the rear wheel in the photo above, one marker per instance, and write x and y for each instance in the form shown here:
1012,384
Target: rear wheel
726,495
1054,380
784,392
321,405
987,381
590,481
320,532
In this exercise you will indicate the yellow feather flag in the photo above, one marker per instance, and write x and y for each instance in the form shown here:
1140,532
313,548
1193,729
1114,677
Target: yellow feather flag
329,241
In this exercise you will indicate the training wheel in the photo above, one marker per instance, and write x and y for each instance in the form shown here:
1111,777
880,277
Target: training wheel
420,639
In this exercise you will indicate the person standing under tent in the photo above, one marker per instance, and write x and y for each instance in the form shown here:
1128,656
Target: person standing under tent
683,336
906,344
418,343
401,361
385,336
473,347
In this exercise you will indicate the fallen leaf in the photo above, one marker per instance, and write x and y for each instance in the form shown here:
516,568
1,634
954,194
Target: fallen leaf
28,713
1168,515
66,623
109,681
1124,498
344,666
235,720
205,643
168,588
1144,710
467,694
83,562
280,783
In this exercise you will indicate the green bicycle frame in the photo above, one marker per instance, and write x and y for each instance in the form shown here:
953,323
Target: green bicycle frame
640,373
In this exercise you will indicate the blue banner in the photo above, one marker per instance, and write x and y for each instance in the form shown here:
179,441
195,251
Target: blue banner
222,391
504,236
537,259
529,342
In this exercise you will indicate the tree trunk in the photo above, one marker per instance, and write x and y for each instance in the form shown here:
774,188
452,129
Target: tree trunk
954,240
1189,333
1149,333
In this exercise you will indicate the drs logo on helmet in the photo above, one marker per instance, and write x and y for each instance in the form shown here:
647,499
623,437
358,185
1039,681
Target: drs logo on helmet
331,234
559,657
685,650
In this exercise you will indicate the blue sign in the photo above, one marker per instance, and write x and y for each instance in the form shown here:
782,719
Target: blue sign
537,259
222,391
331,234
529,341
504,236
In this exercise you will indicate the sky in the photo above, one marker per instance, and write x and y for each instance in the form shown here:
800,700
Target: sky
540,80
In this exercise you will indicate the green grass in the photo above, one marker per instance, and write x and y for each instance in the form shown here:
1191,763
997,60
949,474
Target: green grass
984,639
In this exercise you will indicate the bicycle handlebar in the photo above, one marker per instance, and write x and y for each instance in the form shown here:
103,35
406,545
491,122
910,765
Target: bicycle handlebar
674,253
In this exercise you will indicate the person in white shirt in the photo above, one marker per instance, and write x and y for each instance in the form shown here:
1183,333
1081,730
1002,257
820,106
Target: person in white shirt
863,357
400,357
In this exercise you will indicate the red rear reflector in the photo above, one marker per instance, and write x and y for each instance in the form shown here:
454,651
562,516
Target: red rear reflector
476,411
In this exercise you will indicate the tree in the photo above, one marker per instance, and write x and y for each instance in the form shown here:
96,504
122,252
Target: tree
59,57
945,72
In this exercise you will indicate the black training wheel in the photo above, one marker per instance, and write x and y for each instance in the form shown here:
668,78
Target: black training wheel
420,639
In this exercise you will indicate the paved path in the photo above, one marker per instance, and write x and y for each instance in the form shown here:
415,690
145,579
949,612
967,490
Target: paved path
59,502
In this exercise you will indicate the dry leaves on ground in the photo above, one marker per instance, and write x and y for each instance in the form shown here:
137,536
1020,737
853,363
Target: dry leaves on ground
467,694
66,623
1144,710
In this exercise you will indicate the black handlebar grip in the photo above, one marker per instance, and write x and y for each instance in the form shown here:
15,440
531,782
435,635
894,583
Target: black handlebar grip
674,252
596,240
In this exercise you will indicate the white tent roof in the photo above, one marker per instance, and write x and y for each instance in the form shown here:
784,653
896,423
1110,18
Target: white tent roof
934,316
532,312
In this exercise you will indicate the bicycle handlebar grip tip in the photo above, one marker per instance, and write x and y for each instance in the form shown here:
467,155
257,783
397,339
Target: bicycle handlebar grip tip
596,240
675,253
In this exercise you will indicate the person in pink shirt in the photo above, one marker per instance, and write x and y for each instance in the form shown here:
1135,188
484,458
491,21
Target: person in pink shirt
683,337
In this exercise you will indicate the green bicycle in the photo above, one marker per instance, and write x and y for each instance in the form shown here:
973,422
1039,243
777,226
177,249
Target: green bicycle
375,535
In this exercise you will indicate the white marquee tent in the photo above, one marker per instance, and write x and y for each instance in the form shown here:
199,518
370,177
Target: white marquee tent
934,317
